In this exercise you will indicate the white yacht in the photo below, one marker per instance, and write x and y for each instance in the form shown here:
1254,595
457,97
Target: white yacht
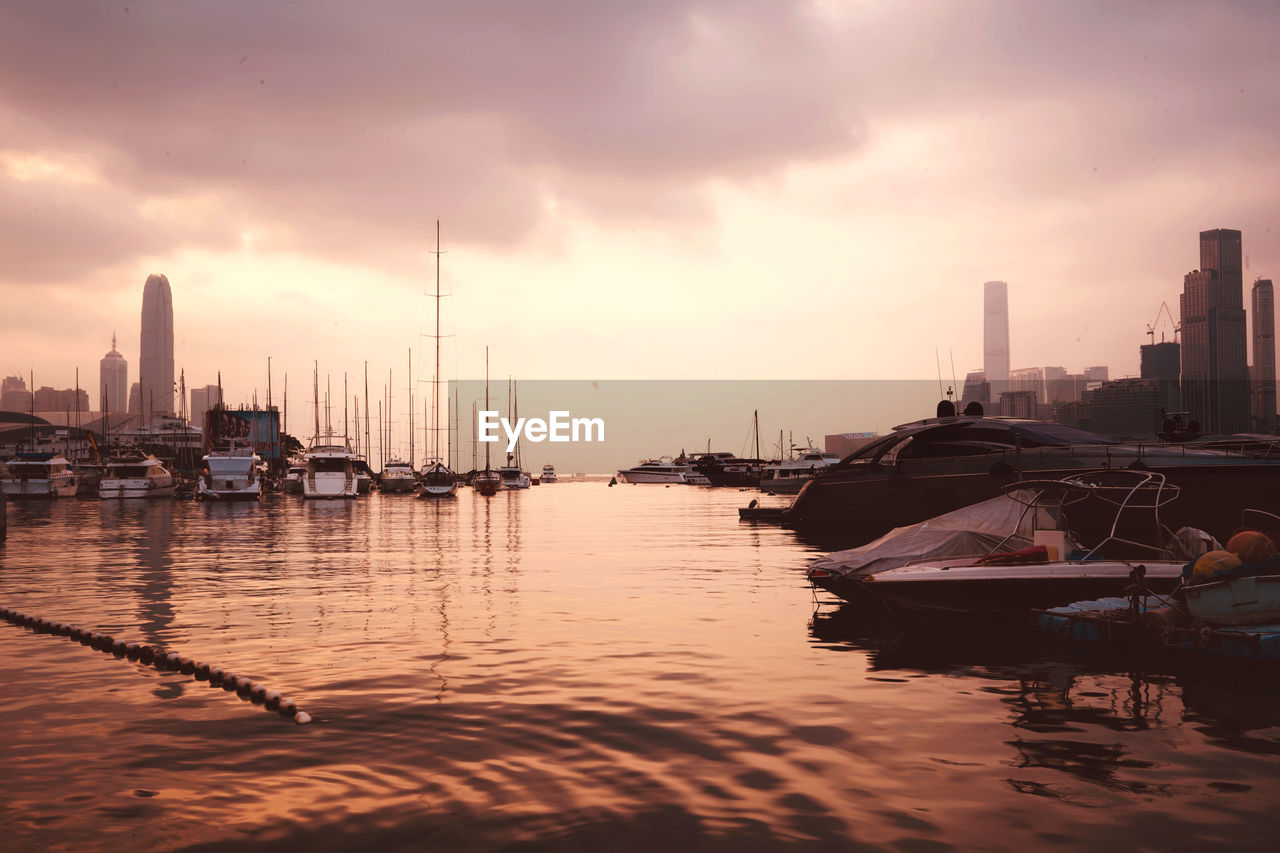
230,475
330,470
790,476
653,471
39,475
397,478
548,474
512,477
136,475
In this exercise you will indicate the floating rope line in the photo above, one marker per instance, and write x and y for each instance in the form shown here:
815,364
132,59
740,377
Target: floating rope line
163,660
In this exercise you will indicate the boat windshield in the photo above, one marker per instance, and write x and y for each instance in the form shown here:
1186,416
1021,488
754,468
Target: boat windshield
129,472
330,465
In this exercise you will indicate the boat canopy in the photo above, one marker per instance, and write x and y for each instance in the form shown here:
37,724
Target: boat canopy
969,531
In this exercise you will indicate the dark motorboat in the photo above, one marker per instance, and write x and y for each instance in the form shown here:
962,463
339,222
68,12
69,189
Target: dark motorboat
930,467
725,469
1018,552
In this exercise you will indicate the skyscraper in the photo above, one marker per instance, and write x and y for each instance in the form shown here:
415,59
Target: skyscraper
202,400
113,381
1163,363
995,337
1264,356
155,361
1215,373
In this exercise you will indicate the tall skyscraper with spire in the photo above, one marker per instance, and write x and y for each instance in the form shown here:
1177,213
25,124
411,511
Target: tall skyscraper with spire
995,337
1264,356
113,381
1215,370
155,361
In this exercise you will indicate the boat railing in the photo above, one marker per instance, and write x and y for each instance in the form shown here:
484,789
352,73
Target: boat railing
1105,484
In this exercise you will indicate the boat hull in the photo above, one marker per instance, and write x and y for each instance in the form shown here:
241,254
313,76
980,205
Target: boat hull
398,485
1251,600
38,489
327,486
110,489
639,477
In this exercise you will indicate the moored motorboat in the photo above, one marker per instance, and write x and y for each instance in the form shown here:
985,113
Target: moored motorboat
232,474
398,478
548,474
292,483
330,469
511,476
39,476
790,476
1011,554
653,471
136,475
929,467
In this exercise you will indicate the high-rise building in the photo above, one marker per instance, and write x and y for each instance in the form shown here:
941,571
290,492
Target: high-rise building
155,361
135,399
976,390
995,336
202,400
1162,362
1215,372
113,380
1028,379
1264,356
66,400
14,396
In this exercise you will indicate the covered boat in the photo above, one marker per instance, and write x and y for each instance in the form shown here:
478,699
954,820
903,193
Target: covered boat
38,476
136,475
232,474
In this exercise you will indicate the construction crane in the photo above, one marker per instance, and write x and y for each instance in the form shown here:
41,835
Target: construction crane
1151,328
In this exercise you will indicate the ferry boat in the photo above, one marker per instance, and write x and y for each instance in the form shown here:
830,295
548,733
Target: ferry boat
136,475
330,470
39,475
548,474
397,478
790,476
230,475
653,471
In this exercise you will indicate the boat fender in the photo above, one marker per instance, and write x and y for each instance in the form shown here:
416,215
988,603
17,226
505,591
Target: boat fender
173,660
187,666
243,684
131,650
271,699
229,680
287,708
202,671
215,675
258,691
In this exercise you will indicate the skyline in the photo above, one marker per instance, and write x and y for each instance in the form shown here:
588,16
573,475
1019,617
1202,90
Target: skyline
284,176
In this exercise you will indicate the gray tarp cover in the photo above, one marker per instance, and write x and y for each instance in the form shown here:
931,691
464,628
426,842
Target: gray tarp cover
971,530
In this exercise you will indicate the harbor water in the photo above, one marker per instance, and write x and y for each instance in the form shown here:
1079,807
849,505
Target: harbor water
572,667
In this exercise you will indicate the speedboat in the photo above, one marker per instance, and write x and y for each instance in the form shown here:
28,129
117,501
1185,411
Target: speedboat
653,471
230,475
330,470
930,467
437,481
548,474
136,475
790,476
1018,552
39,475
397,478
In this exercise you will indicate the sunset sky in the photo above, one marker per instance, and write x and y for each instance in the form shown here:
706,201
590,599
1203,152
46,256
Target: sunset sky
738,189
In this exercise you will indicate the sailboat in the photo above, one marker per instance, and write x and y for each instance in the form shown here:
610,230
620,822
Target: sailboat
486,482
436,478
511,474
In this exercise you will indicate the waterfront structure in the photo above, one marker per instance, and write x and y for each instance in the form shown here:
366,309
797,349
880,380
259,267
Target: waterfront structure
1162,363
113,380
995,337
976,389
1215,373
202,400
1028,379
155,362
1264,356
1019,404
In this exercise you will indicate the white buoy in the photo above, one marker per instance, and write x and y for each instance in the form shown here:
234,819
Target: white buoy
302,718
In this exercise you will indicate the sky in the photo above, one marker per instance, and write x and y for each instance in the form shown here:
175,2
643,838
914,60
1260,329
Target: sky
662,190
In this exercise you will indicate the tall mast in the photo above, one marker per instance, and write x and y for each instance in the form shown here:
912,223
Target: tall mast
486,402
346,433
411,435
368,446
315,386
435,384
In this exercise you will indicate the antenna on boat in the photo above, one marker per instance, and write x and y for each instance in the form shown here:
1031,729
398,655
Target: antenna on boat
938,360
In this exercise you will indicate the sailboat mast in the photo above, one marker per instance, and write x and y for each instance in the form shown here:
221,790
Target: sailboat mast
411,435
486,402
315,385
435,384
368,445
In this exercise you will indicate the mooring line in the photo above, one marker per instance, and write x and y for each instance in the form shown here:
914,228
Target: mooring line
163,660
